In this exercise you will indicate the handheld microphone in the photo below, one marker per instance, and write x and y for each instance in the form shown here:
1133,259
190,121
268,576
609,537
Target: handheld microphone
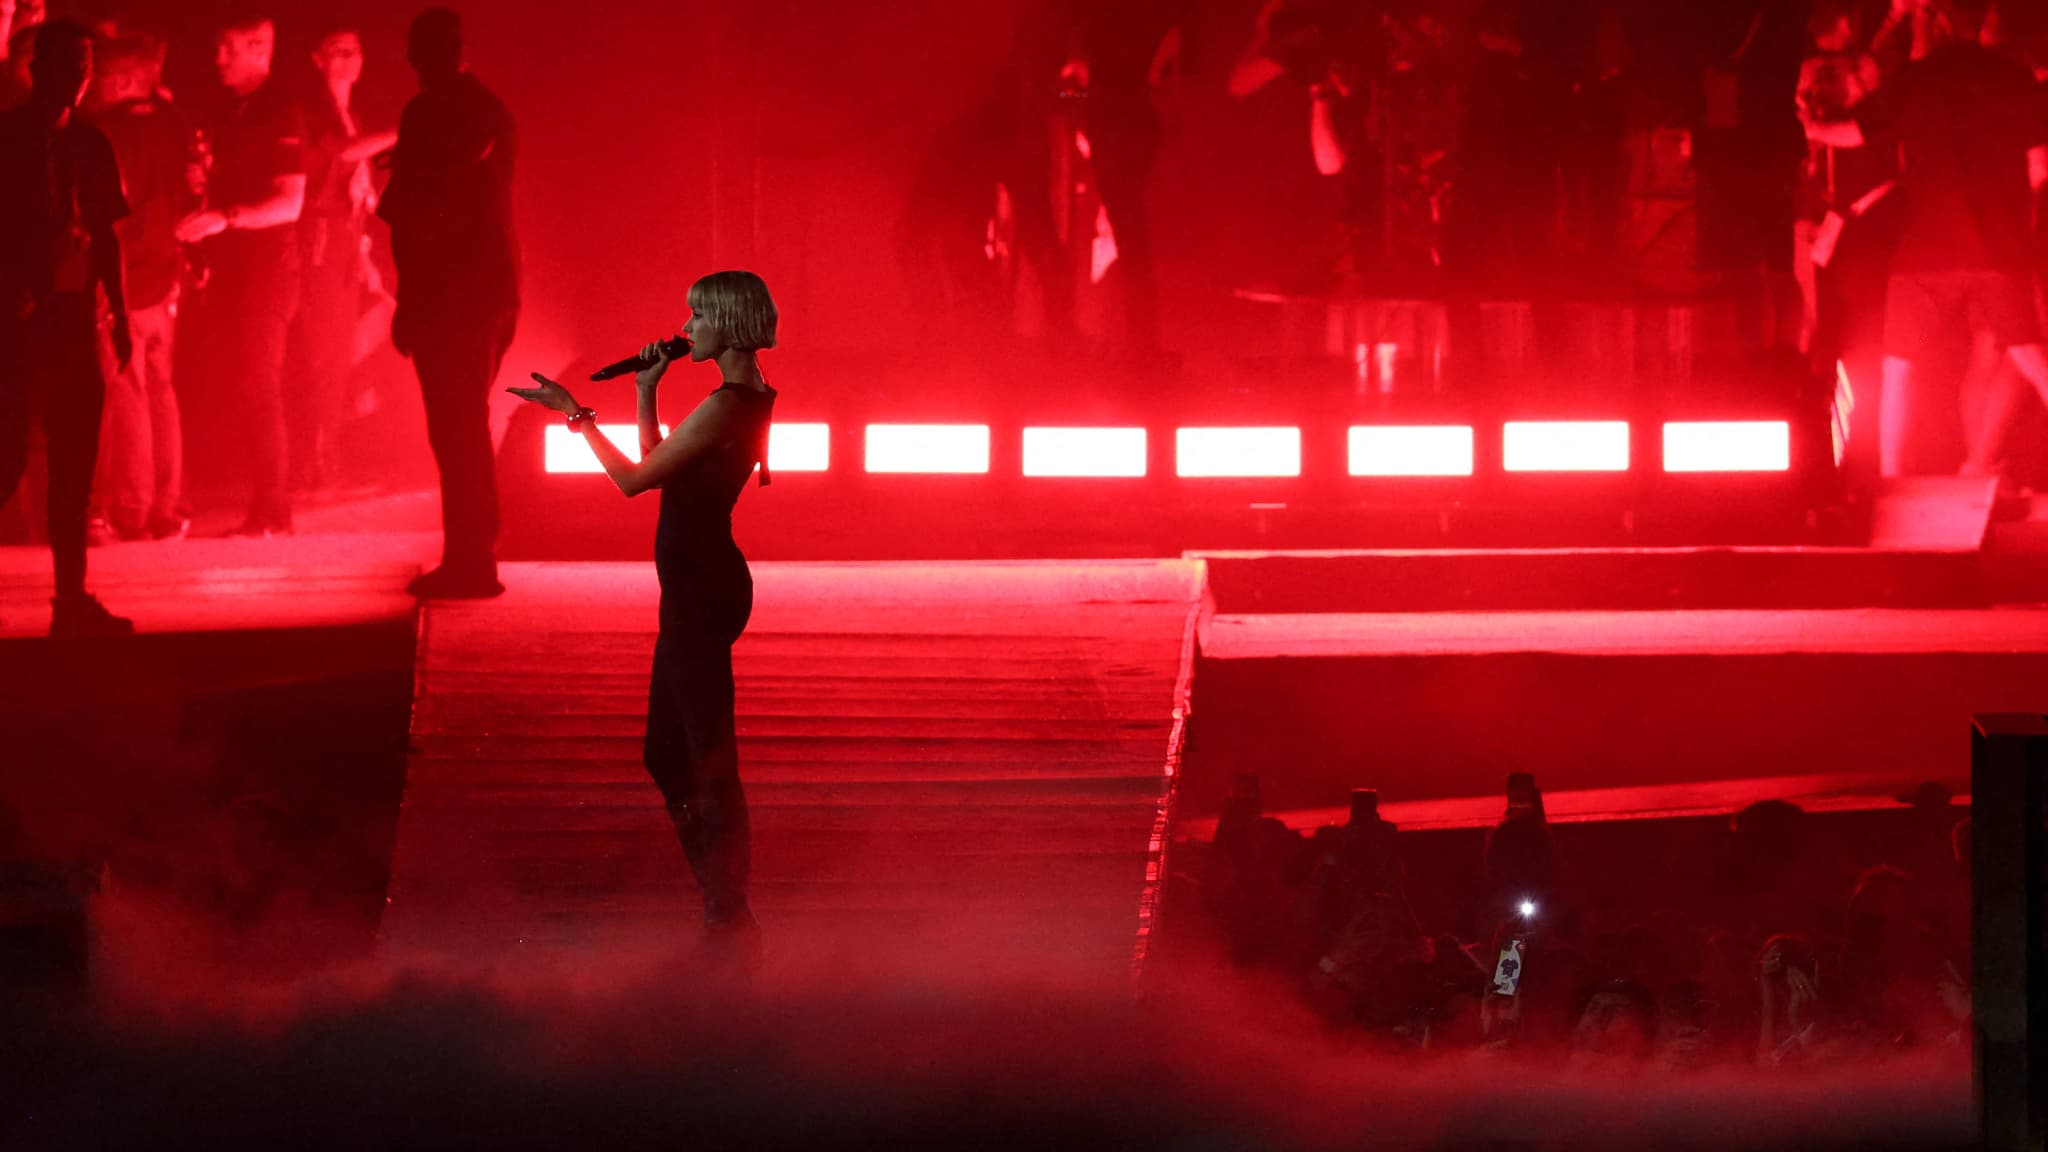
677,347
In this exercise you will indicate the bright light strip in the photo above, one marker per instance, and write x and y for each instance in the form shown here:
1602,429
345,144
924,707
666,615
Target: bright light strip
1084,451
1728,446
791,447
1844,409
566,452
799,447
927,448
1565,446
1411,450
1237,452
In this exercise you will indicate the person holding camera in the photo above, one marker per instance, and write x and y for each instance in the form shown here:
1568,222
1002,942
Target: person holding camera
707,593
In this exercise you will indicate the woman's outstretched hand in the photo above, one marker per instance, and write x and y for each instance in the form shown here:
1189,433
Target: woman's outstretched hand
657,359
549,395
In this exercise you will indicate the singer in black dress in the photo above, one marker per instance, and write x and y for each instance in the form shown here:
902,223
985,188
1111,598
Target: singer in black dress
707,593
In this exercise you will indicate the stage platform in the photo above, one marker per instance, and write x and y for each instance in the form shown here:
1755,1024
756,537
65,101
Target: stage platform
1430,675
241,757
203,586
969,759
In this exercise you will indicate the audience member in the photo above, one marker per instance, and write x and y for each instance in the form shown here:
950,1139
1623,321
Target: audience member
1249,876
1521,860
1887,977
1789,1014
1697,979
1770,882
1690,1032
1614,1029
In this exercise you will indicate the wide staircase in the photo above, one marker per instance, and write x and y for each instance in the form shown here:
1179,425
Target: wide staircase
945,763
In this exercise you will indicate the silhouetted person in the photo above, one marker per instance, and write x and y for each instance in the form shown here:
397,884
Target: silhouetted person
1771,879
707,594
1859,228
60,195
1370,957
449,204
1500,223
1521,859
1244,878
249,238
338,201
1340,55
1120,46
1748,152
1003,139
1353,861
141,472
1614,1028
1968,124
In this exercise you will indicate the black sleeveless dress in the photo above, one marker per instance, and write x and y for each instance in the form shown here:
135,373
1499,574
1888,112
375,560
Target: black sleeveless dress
707,595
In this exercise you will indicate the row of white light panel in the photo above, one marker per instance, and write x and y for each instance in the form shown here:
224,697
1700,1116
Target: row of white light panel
1375,450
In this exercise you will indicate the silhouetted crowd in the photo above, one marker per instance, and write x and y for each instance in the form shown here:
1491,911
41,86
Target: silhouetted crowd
288,285
1676,172
1774,938
132,220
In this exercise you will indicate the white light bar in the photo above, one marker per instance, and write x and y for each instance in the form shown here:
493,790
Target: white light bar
1237,452
927,448
1084,451
565,452
799,447
1565,446
791,447
1728,446
1411,450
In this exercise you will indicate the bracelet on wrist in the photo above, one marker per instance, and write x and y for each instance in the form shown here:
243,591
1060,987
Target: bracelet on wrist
581,419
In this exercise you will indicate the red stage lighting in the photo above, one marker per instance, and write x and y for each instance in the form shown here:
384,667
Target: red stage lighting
1728,446
1841,412
791,448
930,448
799,447
1411,450
1084,451
1237,452
1565,446
565,451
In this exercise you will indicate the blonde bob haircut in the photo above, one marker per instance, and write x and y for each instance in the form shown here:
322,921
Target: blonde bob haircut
737,304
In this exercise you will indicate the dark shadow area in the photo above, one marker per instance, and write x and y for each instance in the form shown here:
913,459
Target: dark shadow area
606,1051
250,780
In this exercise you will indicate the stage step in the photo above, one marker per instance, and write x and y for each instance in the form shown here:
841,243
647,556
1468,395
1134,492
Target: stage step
1934,513
947,754
1429,706
1593,579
